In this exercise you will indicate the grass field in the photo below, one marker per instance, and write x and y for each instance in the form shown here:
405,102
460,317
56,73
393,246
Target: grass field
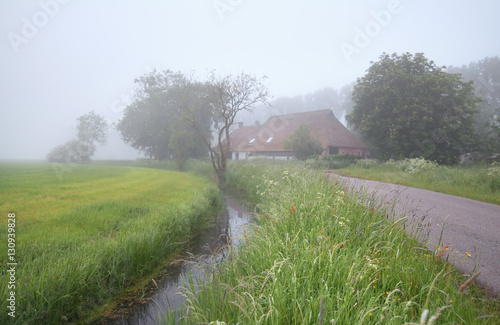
475,181
82,238
321,254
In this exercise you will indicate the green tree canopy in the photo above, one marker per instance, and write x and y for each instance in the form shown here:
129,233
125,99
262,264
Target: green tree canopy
302,143
406,106
153,123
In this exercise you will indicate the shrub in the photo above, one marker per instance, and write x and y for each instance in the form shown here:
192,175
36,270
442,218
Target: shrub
366,163
493,173
72,152
412,166
331,161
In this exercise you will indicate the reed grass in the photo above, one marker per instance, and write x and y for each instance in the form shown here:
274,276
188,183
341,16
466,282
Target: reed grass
321,253
83,239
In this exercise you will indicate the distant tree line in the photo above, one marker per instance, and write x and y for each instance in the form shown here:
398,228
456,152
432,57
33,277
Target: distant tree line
485,77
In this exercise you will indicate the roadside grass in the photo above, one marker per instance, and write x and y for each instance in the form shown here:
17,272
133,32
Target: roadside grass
320,253
82,240
475,181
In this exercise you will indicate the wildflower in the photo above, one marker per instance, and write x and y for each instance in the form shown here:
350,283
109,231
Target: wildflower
469,255
341,245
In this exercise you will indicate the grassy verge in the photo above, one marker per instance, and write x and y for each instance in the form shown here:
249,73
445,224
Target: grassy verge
478,182
322,255
82,239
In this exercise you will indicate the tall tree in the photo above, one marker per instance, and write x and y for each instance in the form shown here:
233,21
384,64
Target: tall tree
92,129
185,141
226,96
485,75
145,124
406,106
152,123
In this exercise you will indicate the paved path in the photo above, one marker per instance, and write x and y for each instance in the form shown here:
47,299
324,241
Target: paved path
470,226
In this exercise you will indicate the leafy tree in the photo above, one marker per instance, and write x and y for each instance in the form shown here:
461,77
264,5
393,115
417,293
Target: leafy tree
146,121
485,75
153,122
302,143
226,96
406,106
185,141
92,129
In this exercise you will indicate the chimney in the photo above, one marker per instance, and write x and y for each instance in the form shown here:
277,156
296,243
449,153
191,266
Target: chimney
240,125
257,123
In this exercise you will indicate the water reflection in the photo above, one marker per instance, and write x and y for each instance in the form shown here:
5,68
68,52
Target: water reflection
229,224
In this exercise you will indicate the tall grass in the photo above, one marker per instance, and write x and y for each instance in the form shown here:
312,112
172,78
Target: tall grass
321,254
475,181
82,240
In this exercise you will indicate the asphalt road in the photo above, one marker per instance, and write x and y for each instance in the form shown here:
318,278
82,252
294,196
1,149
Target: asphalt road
470,227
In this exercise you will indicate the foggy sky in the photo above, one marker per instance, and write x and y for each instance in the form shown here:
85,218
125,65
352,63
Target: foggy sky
62,59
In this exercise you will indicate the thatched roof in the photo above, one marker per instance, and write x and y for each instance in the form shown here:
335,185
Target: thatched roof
323,125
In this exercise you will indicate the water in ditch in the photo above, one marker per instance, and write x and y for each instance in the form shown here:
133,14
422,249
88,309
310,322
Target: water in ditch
230,223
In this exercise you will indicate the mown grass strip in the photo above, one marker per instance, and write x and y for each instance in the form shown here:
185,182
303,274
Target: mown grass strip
83,239
320,253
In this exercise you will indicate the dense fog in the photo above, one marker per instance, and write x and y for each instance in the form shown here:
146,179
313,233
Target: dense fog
62,59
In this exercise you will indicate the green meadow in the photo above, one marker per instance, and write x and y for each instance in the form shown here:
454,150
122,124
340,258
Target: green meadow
321,253
83,236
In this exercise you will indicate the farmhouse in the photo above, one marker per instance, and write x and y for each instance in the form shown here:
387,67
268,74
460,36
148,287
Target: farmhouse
268,139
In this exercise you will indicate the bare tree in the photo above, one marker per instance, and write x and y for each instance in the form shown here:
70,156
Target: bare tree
225,96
